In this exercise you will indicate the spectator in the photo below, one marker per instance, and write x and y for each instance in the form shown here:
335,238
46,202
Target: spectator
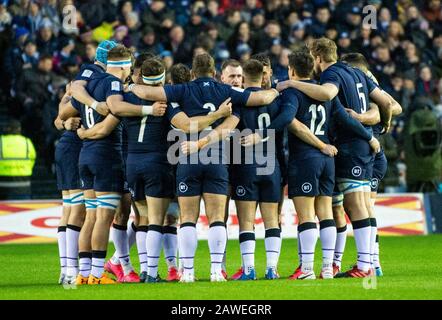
219,46
297,34
35,16
180,48
212,13
66,55
412,59
13,55
399,92
132,21
195,25
384,67
384,20
16,163
363,41
126,7
46,42
120,35
272,32
320,24
248,9
344,43
90,51
432,11
425,86
149,42
280,69
5,16
240,37
30,55
159,17
34,88
353,21
92,12
258,21
50,11
227,28
395,35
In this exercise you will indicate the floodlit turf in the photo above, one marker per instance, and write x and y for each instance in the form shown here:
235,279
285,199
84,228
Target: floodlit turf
412,268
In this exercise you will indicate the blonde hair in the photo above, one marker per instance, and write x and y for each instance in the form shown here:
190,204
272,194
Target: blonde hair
324,48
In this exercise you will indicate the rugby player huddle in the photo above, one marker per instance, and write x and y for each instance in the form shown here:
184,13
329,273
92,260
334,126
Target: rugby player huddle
129,139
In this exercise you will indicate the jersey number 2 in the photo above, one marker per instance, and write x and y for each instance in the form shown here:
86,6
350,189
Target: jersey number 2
315,109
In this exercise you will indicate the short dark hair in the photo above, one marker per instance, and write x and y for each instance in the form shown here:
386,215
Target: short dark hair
119,52
141,58
253,70
263,58
152,67
203,65
302,62
13,126
230,63
355,59
180,73
45,57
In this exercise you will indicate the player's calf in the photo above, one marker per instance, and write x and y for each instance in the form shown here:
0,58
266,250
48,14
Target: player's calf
272,240
246,218
355,207
85,236
107,205
327,234
76,220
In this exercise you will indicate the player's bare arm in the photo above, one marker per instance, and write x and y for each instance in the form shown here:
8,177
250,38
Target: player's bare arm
70,124
303,132
219,133
99,130
79,92
148,92
385,105
121,108
396,108
369,118
261,98
320,92
196,124
65,108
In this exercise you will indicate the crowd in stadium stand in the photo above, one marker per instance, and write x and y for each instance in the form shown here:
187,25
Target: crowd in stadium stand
40,51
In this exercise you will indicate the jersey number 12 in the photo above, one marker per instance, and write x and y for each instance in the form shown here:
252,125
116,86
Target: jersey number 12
317,129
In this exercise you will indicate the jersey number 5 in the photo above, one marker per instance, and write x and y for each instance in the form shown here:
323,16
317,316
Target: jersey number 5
361,94
315,109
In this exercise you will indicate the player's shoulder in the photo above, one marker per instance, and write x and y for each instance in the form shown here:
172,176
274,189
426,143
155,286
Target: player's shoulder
108,79
87,70
290,93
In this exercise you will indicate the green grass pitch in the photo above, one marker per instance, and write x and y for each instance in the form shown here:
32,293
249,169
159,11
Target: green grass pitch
412,268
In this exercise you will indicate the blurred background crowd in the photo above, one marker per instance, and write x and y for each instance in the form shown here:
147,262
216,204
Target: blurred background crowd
41,51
